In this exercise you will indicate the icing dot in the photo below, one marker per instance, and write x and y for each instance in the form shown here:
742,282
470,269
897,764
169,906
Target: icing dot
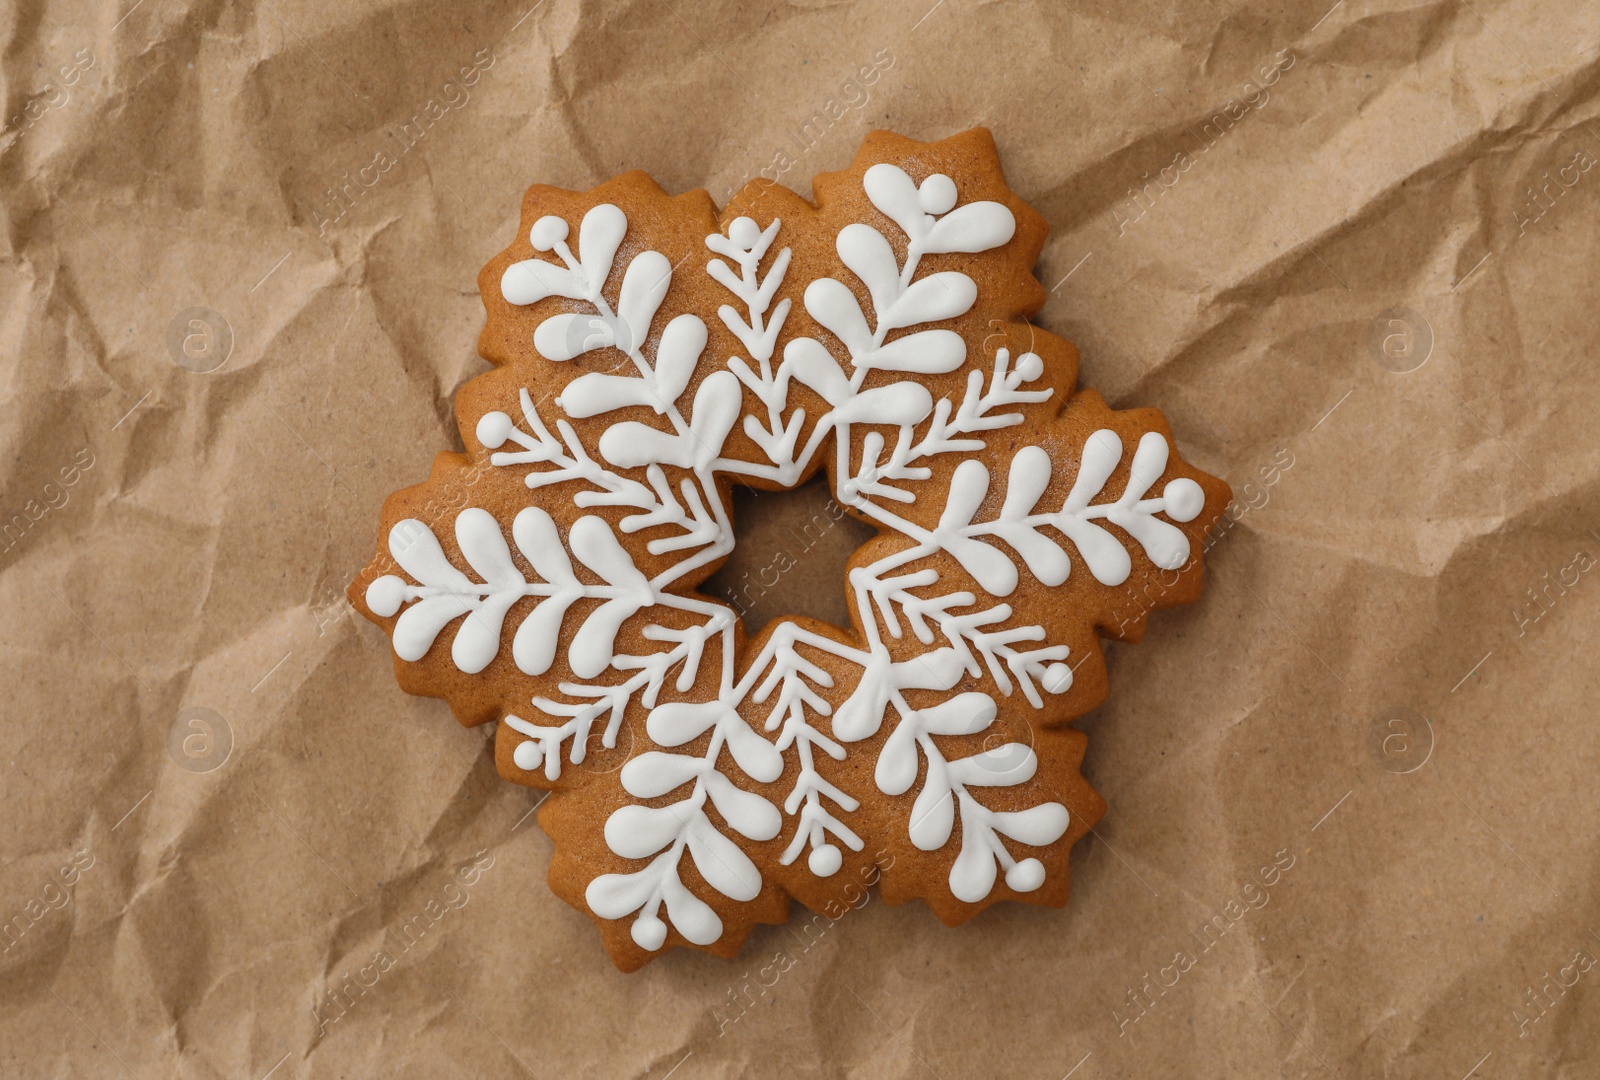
1057,678
937,194
744,233
1029,366
1184,499
547,232
649,932
527,756
494,429
1026,876
385,595
825,860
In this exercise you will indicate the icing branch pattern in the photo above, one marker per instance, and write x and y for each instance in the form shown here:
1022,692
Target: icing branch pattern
876,474
816,826
446,593
662,834
757,329
945,788
665,475
1166,545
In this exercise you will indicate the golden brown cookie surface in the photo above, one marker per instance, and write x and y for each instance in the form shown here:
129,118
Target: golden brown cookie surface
652,352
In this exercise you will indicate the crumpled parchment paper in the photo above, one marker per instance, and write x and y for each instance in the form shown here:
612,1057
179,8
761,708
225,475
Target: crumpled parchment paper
1348,249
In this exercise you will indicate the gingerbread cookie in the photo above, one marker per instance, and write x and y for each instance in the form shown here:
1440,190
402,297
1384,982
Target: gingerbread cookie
650,353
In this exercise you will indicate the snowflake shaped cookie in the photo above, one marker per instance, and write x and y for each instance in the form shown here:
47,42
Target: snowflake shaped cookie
651,352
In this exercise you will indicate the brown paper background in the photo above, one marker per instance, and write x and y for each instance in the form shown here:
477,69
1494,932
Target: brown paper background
199,562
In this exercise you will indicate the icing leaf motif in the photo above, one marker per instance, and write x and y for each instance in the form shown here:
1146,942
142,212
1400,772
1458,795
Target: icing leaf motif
1100,456
716,406
419,624
897,761
478,640
1166,544
417,550
1107,559
756,756
1030,475
974,227
692,916
532,280
596,393
725,868
933,812
892,192
594,543
597,548
562,337
835,307
656,773
862,712
644,286
446,593
901,404
591,649
536,536
805,360
864,250
972,874
615,896
1004,766
682,342
637,832
631,444
678,722
931,299
598,238
964,714
927,352
747,813
996,573
1037,826
861,715
533,649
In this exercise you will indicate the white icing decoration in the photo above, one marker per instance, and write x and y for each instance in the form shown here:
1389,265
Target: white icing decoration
890,594
639,832
446,592
945,787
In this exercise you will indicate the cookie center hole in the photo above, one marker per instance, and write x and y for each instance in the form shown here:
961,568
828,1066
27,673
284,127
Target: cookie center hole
790,556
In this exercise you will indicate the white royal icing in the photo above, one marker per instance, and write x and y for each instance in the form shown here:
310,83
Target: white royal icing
890,594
